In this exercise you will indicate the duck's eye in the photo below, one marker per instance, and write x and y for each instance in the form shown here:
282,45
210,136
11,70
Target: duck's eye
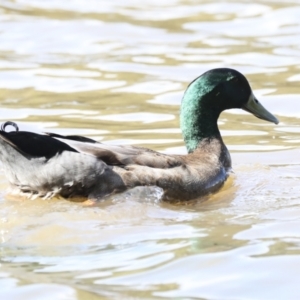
256,101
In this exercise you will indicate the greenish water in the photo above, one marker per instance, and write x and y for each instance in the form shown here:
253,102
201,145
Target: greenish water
116,71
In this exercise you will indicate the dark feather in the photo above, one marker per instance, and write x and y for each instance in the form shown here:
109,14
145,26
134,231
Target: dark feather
78,138
35,145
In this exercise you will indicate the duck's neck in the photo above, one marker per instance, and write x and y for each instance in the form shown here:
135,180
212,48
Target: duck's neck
198,121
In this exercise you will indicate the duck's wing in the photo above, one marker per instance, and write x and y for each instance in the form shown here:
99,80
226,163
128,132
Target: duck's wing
124,155
49,145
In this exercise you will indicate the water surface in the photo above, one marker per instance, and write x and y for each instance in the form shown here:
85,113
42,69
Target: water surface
116,71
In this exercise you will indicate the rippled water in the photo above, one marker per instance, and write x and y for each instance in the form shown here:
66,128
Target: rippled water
116,71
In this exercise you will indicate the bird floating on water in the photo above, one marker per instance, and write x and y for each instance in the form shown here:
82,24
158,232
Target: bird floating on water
48,165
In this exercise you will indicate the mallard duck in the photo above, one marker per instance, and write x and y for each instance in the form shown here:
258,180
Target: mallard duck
48,165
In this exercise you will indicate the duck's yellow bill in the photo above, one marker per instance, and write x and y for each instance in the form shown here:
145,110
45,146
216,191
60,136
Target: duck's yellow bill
254,107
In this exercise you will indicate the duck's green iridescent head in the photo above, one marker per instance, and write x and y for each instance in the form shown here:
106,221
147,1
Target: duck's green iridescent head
207,96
